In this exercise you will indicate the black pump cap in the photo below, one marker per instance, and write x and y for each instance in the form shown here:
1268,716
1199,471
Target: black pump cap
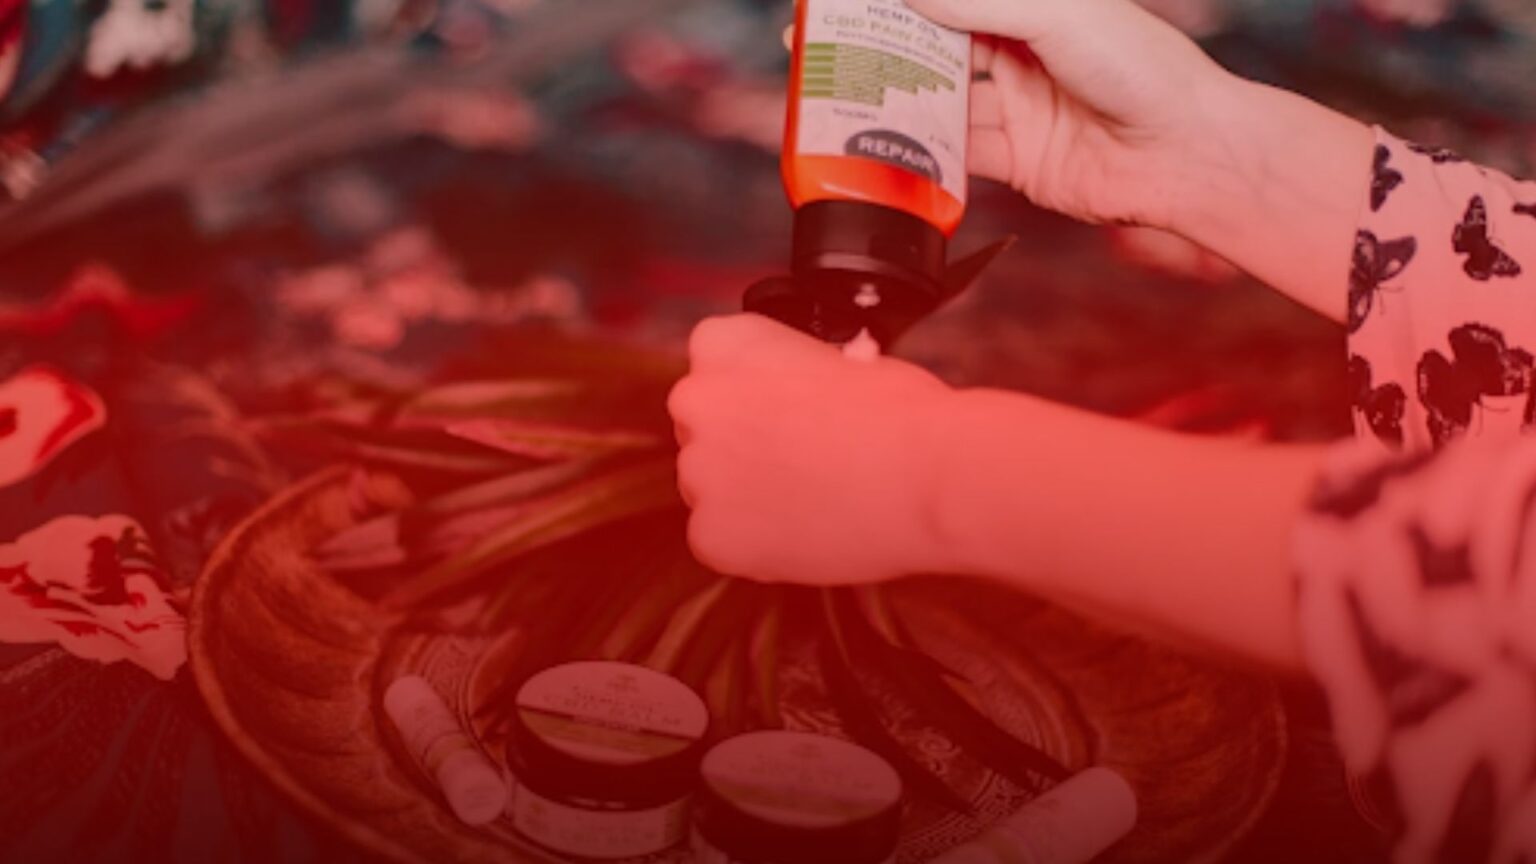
826,304
869,239
847,253
856,266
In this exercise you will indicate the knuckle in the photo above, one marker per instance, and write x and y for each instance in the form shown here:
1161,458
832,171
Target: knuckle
682,398
710,545
709,339
689,470
686,490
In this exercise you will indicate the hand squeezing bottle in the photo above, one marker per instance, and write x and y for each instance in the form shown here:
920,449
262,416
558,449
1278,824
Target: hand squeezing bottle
874,165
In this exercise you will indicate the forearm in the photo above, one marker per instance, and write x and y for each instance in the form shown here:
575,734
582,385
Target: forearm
1177,534
1275,186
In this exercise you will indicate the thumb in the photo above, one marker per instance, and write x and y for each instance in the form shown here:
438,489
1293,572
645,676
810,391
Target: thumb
1111,54
1062,30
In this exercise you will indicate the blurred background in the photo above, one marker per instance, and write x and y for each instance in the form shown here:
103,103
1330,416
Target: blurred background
358,184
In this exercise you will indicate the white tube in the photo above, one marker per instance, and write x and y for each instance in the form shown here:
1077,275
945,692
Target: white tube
1070,824
475,789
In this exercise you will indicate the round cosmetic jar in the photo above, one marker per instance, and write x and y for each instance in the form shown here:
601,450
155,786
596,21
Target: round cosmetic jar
795,798
606,757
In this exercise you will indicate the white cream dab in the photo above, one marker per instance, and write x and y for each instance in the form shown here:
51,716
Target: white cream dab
862,348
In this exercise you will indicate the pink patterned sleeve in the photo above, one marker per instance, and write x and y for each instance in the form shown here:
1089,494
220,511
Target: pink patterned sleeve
1417,600
1416,560
1442,300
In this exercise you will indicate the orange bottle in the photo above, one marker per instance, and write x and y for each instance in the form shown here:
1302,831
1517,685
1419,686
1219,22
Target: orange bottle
878,110
874,165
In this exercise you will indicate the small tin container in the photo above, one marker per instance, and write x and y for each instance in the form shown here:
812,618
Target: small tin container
795,798
606,757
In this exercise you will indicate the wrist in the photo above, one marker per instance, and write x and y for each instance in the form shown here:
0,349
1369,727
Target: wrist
1174,153
1214,160
1275,185
983,479
936,466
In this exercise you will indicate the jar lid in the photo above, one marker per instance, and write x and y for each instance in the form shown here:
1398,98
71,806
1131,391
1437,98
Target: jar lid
796,798
608,730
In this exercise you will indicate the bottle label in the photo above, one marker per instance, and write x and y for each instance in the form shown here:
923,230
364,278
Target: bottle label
598,834
882,82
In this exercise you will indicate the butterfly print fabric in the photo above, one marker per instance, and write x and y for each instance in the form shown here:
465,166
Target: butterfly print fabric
1416,595
1375,262
1438,155
1428,660
1437,266
1383,178
1482,364
1381,407
1485,260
